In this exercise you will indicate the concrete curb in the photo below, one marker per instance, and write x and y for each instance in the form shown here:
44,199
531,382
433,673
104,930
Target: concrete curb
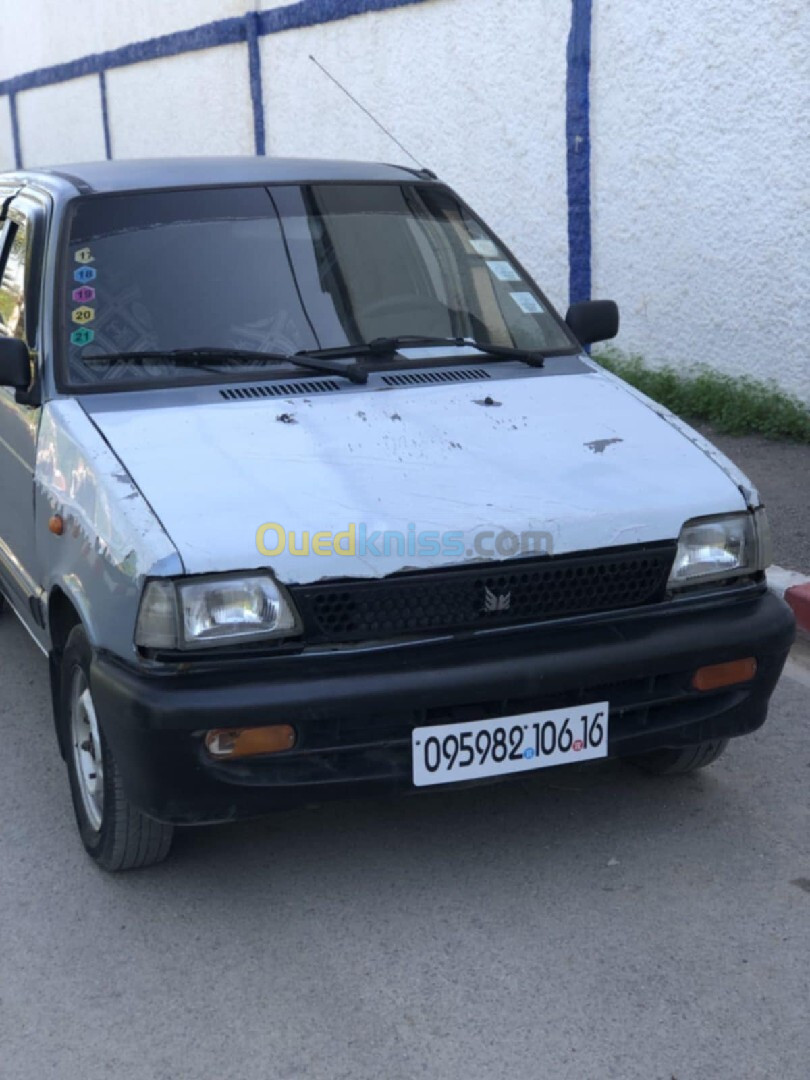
795,590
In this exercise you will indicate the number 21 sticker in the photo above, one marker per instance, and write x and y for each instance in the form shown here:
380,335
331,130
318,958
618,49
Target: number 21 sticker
82,336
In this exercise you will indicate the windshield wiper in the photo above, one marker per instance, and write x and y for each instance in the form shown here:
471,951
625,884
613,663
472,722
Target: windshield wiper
318,359
383,347
201,355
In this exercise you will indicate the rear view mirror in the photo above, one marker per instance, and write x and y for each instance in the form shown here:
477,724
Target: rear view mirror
593,320
15,363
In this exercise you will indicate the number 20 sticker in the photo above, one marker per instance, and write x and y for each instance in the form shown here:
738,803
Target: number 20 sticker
83,315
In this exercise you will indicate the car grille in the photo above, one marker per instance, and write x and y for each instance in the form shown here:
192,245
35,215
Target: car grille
484,595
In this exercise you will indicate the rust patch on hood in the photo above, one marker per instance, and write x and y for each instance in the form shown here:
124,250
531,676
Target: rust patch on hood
598,446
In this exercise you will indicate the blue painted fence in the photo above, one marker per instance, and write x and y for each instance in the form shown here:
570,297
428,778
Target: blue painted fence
249,28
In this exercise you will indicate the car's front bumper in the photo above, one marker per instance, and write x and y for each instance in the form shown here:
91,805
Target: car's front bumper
354,709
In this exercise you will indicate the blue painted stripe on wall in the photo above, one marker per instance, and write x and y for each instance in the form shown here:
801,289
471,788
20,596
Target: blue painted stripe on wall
15,130
105,118
313,12
222,32
578,156
255,74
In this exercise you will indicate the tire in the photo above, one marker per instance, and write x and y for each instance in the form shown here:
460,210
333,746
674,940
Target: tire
680,762
115,834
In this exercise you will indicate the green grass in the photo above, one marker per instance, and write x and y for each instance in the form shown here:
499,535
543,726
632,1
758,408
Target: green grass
733,404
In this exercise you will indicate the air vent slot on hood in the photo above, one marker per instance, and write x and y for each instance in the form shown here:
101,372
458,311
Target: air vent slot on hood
265,390
416,378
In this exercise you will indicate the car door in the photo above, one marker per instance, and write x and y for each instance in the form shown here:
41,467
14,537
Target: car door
21,243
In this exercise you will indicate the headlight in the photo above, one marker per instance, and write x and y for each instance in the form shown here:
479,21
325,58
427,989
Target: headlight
194,613
711,549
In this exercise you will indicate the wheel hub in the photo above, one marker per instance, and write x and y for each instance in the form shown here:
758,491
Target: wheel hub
86,745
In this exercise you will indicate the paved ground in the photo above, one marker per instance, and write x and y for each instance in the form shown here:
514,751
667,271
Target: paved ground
781,472
594,924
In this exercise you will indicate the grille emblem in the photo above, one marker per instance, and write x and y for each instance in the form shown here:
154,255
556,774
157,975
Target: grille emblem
496,601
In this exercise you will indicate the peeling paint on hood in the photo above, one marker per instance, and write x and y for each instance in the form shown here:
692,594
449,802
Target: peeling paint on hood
736,475
428,457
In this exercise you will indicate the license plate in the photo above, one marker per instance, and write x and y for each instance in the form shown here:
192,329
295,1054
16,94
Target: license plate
450,752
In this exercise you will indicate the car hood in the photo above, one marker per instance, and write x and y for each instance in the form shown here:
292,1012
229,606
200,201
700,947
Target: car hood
579,459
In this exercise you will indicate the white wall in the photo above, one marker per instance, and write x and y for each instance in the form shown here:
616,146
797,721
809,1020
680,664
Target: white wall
62,123
701,174
38,33
6,138
198,103
700,144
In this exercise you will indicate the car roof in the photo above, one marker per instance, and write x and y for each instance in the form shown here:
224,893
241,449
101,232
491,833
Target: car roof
146,174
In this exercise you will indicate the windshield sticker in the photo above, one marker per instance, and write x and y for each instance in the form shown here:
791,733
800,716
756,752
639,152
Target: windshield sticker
503,270
83,336
485,248
83,255
84,294
84,274
83,314
527,303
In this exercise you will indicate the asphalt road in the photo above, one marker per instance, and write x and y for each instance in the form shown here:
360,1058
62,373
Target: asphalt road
587,924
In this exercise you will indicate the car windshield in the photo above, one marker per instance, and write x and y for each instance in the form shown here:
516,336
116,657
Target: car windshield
278,271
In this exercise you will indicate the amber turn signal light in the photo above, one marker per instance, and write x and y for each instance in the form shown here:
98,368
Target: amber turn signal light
716,676
229,743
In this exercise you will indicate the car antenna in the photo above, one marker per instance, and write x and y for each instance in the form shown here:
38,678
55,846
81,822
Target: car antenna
370,115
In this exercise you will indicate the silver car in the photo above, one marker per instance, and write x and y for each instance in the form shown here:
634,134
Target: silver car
306,490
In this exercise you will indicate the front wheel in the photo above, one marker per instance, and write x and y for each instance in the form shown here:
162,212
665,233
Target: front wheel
115,834
679,762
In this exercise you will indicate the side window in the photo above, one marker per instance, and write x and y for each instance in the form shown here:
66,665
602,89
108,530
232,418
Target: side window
12,306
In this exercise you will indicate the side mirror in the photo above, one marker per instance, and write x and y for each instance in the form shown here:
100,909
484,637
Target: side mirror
15,363
593,320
